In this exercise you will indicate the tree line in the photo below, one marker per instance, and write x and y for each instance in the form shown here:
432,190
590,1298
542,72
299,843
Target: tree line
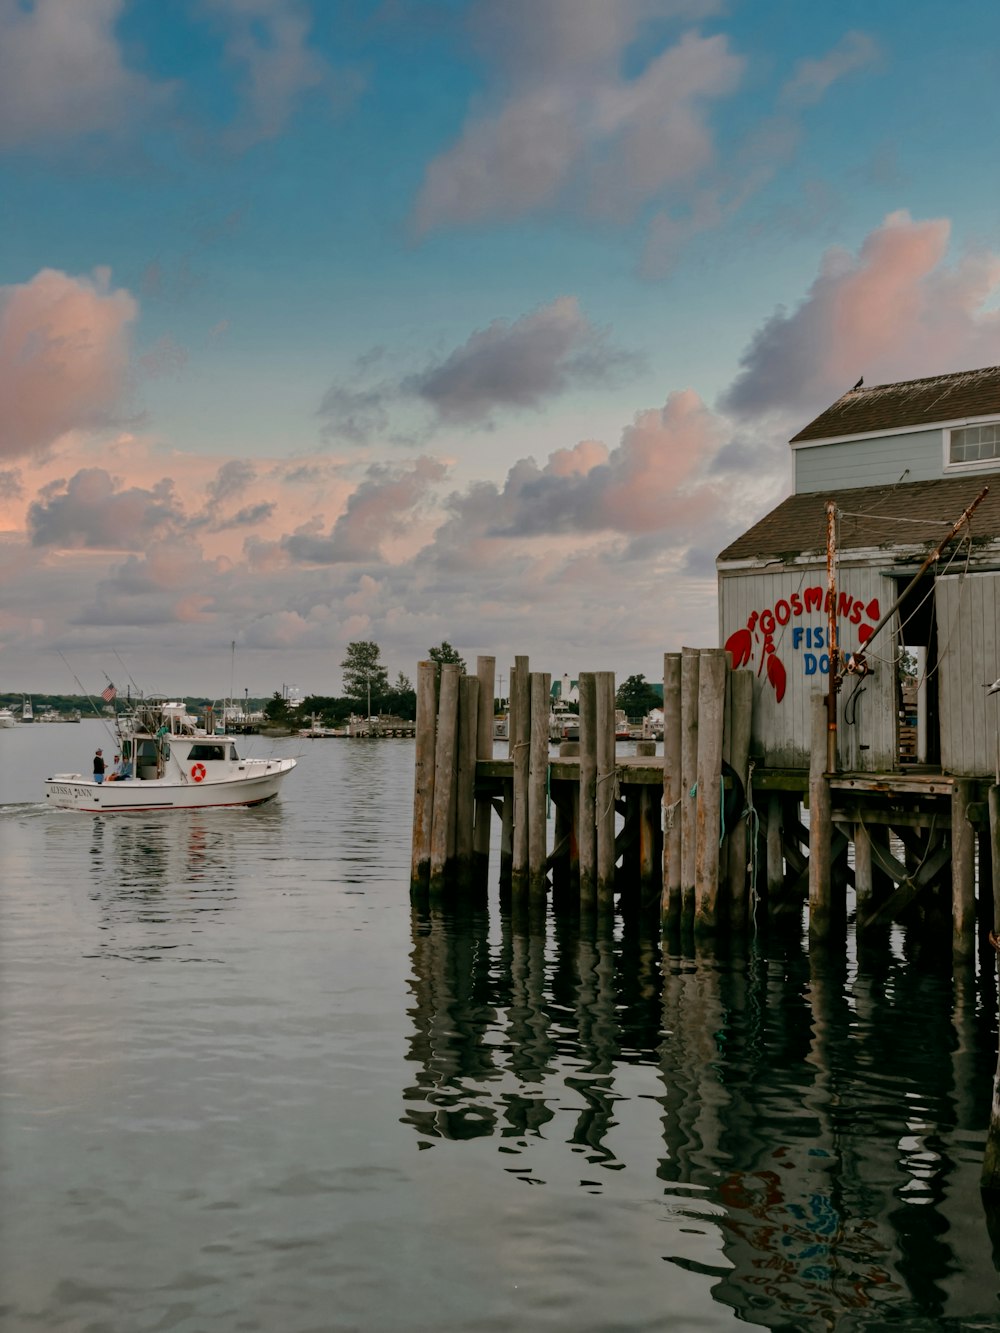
369,692
367,688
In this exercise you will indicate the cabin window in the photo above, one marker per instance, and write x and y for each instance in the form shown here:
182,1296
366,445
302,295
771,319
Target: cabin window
206,753
974,444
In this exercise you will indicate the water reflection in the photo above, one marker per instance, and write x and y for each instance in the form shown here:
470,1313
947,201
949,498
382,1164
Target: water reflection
816,1125
155,876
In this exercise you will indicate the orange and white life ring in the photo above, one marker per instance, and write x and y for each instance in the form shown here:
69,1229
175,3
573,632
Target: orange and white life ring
198,772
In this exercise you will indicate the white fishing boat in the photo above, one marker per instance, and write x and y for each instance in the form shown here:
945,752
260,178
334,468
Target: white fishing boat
27,712
169,763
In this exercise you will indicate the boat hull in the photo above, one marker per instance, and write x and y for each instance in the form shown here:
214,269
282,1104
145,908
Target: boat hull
72,791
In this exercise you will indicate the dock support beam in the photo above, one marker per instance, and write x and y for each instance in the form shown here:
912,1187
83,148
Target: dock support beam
963,875
820,827
423,786
670,903
605,790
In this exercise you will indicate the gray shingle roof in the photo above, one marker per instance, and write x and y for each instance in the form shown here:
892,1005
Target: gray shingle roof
886,407
916,514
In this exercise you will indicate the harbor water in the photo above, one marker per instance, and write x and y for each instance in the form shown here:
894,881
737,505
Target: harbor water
247,1086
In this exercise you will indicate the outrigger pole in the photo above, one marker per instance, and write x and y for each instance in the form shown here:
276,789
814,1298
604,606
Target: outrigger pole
934,555
831,579
86,693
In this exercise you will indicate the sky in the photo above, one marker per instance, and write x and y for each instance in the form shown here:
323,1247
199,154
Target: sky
484,321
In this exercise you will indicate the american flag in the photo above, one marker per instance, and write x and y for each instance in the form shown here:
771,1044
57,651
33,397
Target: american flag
109,694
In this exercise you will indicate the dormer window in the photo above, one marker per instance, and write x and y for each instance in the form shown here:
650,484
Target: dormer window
969,445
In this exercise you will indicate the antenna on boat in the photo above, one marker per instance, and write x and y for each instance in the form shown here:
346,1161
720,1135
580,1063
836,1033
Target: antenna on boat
127,672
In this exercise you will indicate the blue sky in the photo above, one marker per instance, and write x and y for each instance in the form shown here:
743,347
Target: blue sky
480,321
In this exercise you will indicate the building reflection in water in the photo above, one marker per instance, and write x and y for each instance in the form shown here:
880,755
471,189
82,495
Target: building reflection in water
821,1121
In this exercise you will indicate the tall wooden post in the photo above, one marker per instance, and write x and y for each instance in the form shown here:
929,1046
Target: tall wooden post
605,795
445,754
486,674
670,901
864,877
775,867
423,785
741,689
712,670
520,746
538,772
994,810
465,804
650,802
588,789
963,874
820,827
689,778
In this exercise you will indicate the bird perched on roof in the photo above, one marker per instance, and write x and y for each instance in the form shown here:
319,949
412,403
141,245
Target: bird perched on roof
994,688
859,383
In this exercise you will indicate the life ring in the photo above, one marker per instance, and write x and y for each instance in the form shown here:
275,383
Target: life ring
198,772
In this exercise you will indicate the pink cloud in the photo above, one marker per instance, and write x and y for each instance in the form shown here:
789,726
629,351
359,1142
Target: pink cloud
894,311
63,357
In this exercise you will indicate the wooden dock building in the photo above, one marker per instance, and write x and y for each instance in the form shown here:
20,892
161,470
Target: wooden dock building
843,735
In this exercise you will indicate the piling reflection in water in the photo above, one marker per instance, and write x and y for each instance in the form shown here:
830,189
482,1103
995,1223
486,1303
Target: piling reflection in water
820,1123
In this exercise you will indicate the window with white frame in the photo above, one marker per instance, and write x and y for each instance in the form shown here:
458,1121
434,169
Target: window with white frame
974,444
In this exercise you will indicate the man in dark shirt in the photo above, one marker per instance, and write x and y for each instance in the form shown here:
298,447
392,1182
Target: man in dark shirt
99,766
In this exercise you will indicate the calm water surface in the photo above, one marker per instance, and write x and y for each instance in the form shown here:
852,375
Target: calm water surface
247,1087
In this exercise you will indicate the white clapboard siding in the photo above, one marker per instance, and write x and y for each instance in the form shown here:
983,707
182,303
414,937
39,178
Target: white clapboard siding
916,454
780,734
967,609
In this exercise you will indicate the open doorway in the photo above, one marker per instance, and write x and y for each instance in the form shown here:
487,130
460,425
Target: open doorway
918,731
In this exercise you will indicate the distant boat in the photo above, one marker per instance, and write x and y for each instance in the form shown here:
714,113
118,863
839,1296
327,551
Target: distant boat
170,764
7,718
27,713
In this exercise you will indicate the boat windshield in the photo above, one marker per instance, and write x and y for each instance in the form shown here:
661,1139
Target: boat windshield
205,751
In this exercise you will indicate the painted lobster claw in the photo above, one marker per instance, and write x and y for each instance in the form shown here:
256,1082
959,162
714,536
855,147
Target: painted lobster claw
740,645
776,675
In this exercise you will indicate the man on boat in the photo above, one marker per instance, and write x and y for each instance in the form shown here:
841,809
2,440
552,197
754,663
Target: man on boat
99,766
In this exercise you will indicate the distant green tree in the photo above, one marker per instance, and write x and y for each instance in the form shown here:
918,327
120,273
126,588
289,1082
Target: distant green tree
365,676
401,698
276,708
635,696
444,652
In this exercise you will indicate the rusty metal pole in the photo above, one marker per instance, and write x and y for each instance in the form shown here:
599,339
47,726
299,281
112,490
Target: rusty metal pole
832,651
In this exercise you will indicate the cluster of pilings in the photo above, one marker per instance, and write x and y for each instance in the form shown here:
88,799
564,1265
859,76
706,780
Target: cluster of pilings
609,831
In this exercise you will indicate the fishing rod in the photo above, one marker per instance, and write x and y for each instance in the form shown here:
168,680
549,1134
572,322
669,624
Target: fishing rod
88,696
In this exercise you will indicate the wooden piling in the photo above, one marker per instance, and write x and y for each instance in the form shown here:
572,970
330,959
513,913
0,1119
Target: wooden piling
486,675
588,788
689,778
963,874
670,901
423,786
538,771
465,803
993,805
864,878
775,865
650,802
820,826
741,715
445,752
605,789
520,746
712,669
